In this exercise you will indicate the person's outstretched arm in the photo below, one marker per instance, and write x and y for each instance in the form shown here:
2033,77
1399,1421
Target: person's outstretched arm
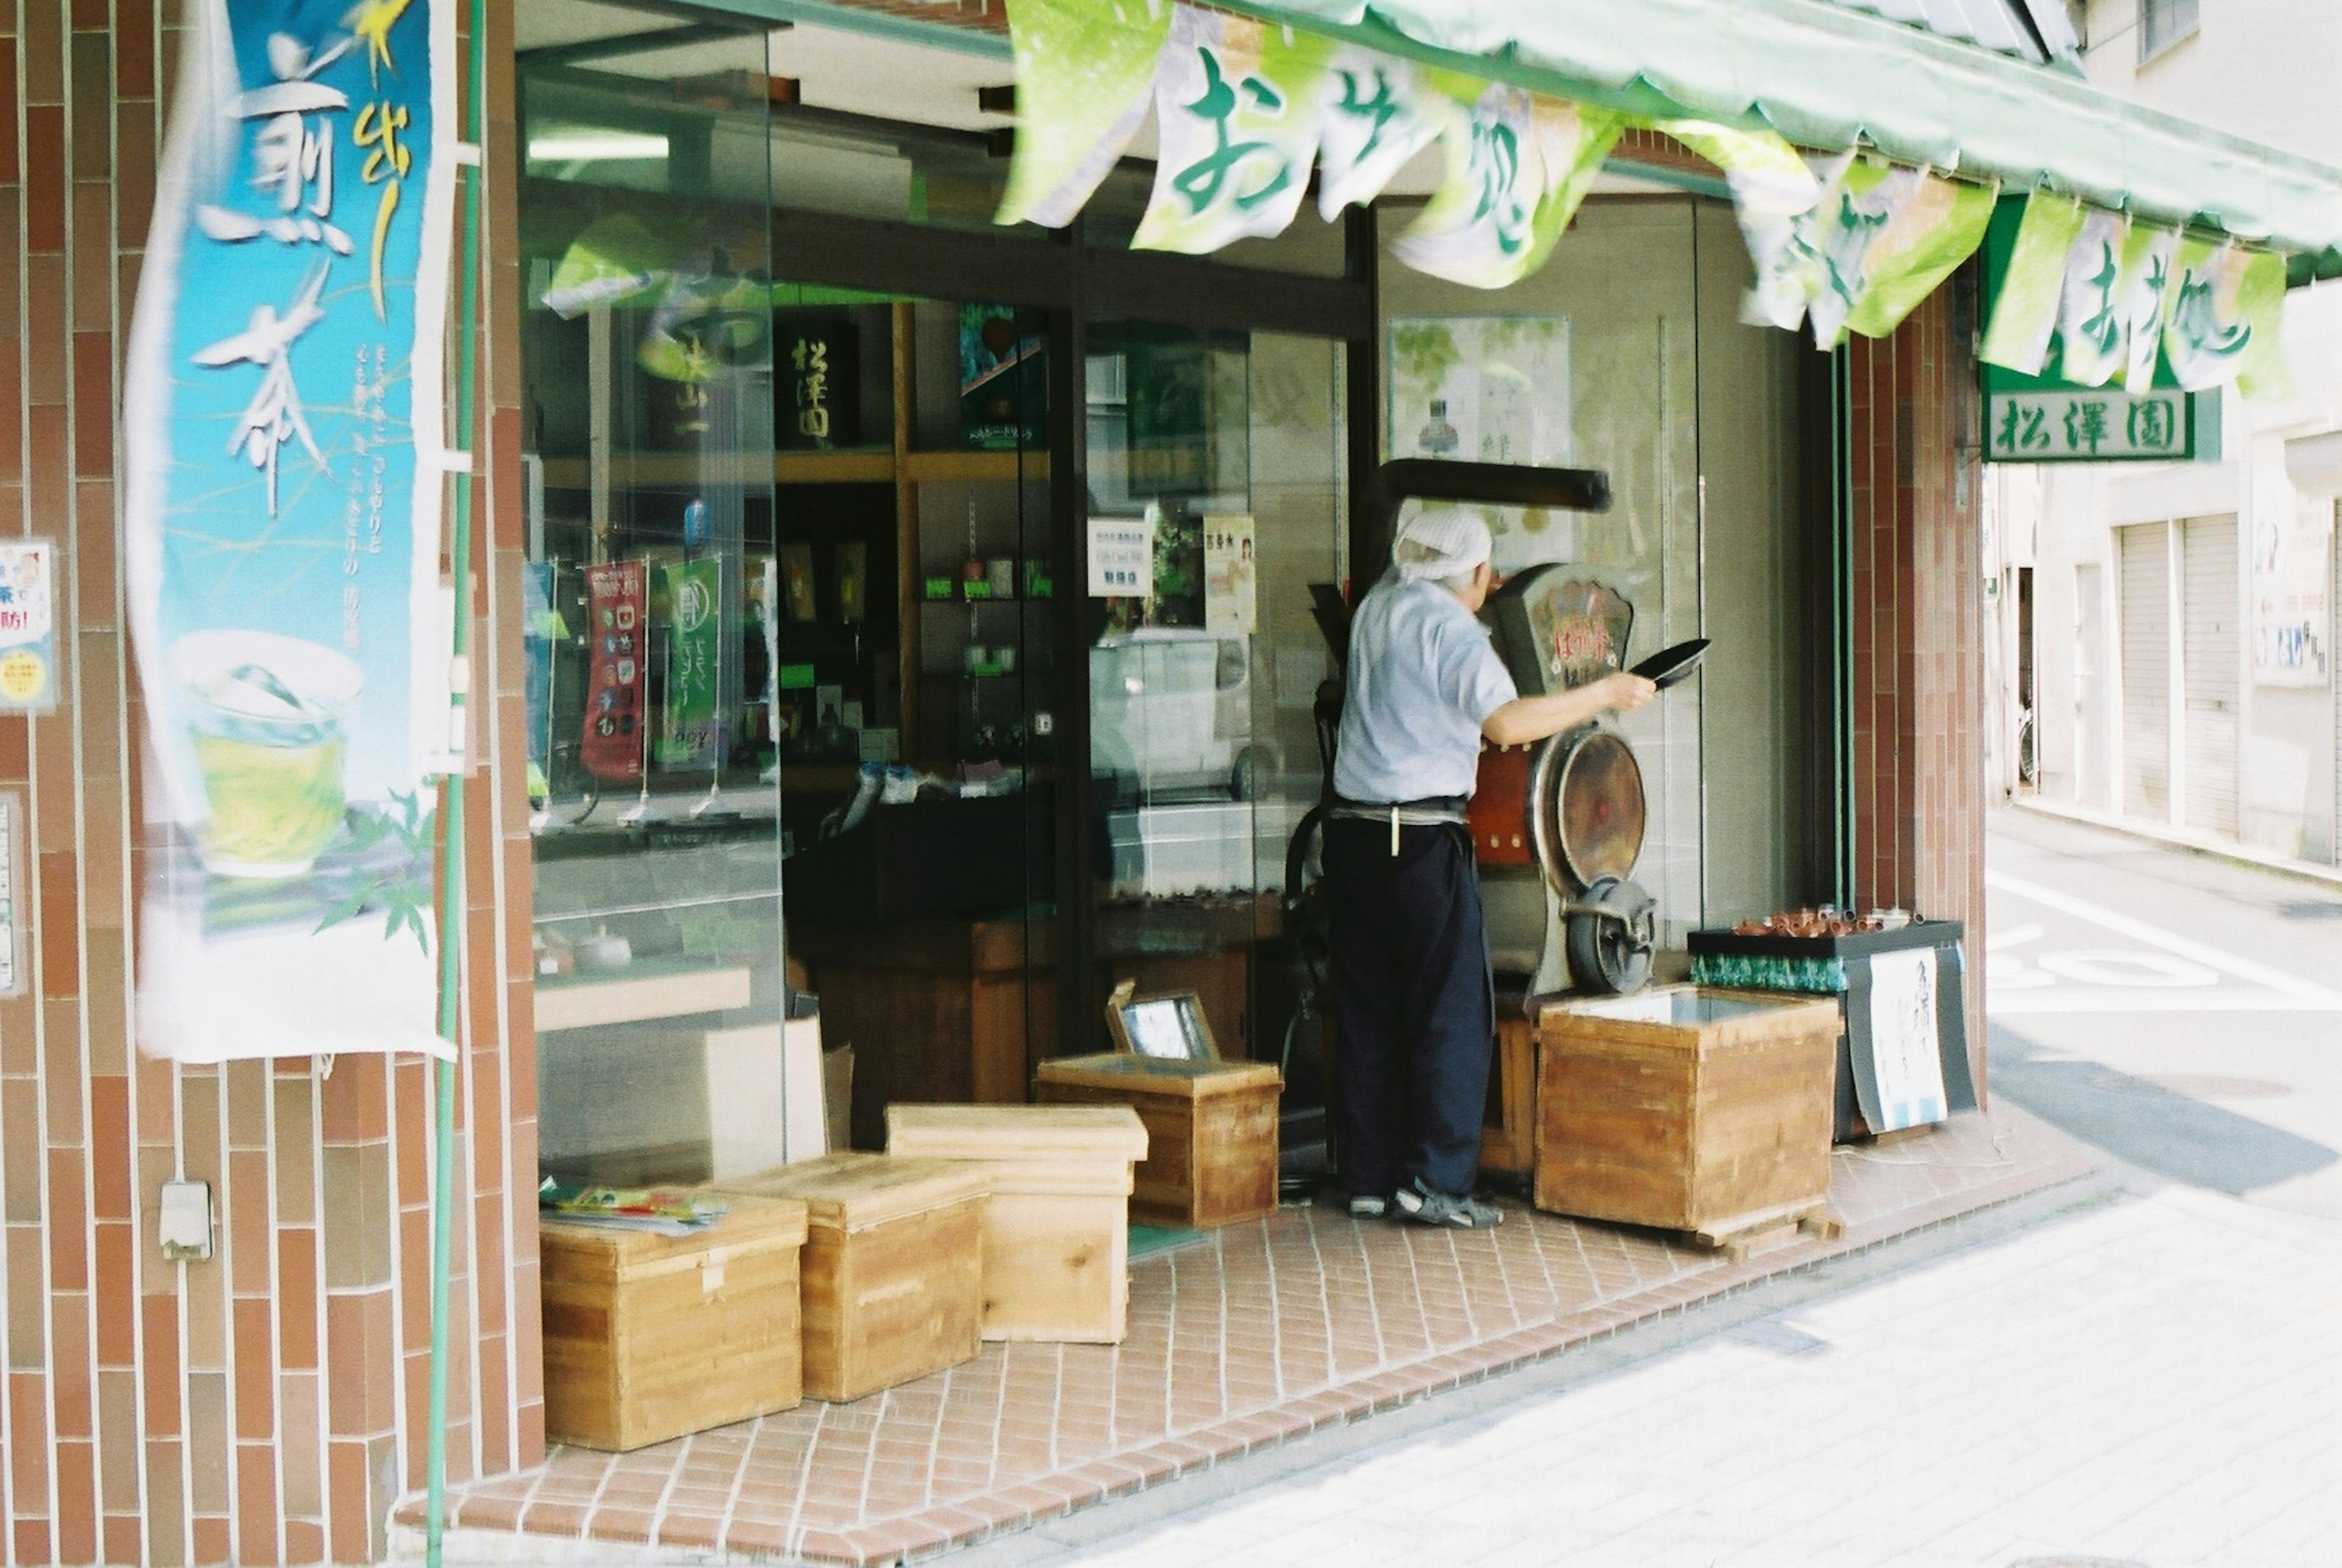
1526,719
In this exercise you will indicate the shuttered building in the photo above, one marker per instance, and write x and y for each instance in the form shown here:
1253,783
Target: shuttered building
2144,552
2211,641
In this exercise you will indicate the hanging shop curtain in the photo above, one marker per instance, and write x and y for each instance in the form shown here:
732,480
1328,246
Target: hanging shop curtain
1832,76
1244,110
2114,296
1849,243
282,470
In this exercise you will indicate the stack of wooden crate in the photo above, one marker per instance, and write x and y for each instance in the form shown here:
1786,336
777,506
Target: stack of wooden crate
980,1222
892,1276
843,1275
1056,1237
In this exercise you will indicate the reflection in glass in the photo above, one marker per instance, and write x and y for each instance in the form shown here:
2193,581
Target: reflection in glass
648,358
1225,450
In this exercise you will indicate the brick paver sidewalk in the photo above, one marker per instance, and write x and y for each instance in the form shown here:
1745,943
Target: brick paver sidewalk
1256,1336
2152,1380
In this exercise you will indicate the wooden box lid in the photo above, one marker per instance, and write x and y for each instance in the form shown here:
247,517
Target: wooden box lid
852,1191
1018,1133
1129,1072
575,1251
1688,1017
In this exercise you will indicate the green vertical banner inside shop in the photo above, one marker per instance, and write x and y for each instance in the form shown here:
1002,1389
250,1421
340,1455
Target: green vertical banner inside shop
690,724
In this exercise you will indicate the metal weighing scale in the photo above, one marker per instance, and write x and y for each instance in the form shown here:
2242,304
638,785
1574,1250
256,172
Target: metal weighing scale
1558,824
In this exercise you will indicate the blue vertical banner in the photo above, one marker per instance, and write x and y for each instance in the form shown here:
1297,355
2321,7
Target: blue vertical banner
284,466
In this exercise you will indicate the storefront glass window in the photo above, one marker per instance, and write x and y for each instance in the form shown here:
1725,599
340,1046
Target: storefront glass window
1218,492
649,350
918,722
1591,362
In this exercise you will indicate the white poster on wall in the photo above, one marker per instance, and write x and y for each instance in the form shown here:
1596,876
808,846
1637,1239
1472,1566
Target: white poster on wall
28,627
1490,389
1906,1040
1231,602
2291,566
1122,557
1481,388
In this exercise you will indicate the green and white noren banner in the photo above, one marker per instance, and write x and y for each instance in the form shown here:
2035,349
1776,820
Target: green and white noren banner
2129,302
1243,109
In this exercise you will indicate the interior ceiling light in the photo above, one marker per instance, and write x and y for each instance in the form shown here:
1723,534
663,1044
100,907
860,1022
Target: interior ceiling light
588,146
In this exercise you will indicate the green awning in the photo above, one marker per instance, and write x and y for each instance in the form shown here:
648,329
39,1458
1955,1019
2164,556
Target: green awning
1825,75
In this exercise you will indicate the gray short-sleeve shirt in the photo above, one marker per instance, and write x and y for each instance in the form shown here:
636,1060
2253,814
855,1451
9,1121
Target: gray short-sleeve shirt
1423,678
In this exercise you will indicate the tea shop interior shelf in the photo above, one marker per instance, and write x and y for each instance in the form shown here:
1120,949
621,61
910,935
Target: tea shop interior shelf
871,465
974,467
644,990
886,473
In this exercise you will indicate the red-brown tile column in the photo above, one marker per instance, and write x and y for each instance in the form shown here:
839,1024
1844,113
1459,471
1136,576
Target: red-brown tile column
265,1406
1918,650
503,1101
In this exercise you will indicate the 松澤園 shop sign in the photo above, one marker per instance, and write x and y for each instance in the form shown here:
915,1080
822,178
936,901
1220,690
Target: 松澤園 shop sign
2088,425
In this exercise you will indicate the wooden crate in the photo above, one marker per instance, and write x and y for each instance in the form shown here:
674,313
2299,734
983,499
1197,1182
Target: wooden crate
649,1337
1211,1131
1509,1130
893,1267
1056,1237
1686,1108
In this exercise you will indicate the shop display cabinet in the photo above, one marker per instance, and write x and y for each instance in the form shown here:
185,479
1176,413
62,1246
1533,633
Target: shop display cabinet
907,593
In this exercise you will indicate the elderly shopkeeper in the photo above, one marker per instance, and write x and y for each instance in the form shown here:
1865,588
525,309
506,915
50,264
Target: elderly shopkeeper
1412,991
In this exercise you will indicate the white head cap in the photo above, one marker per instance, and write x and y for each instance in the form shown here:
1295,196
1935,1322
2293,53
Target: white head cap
1441,543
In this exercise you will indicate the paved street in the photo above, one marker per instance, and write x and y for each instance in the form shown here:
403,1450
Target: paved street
2146,1372
2182,1013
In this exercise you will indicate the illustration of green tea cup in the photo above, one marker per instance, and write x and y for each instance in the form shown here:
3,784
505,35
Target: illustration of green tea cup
267,717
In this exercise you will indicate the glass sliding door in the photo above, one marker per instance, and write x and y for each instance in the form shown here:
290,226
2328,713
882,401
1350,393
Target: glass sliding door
1592,362
919,720
647,354
1218,488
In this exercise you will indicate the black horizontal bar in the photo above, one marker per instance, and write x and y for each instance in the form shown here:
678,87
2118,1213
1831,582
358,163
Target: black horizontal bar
927,262
1145,285
1486,483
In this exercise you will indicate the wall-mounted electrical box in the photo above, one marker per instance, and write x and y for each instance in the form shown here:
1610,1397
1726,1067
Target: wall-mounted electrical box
184,1221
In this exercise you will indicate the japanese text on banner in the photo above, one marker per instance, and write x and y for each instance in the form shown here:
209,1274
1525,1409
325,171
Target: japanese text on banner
281,412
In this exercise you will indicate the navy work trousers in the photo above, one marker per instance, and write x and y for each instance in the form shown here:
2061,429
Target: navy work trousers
1415,1005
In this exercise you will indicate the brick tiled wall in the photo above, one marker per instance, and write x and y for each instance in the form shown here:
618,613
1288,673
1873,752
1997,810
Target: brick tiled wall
267,1406
1918,640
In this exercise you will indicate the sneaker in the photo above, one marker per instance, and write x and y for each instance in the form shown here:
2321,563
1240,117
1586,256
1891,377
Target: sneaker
1358,1205
1453,1212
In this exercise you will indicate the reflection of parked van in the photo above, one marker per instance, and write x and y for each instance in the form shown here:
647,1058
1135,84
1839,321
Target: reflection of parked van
1170,709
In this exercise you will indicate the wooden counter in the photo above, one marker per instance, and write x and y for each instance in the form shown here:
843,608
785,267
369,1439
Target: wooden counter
962,1011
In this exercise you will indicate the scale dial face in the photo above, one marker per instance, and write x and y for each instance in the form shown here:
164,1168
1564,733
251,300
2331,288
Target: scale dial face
1591,816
